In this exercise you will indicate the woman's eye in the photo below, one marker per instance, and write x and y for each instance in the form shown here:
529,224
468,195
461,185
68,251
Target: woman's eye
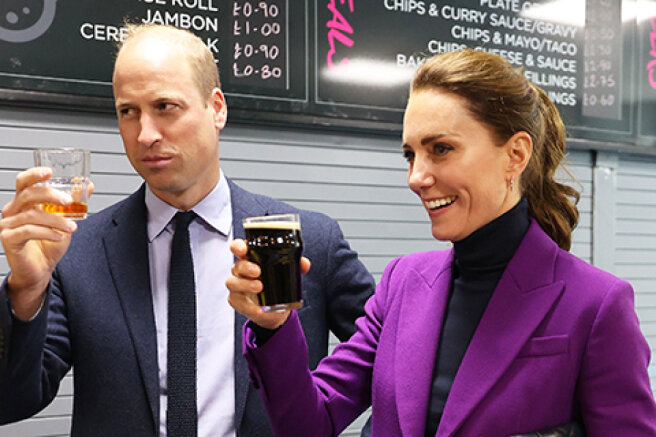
408,155
441,149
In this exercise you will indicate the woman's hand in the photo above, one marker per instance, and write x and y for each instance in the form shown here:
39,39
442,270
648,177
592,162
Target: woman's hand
244,287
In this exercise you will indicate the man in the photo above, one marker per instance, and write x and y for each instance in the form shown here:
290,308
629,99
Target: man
99,301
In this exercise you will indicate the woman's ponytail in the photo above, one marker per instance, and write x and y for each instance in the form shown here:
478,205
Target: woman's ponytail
552,204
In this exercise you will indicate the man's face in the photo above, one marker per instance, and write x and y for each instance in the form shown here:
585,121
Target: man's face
170,131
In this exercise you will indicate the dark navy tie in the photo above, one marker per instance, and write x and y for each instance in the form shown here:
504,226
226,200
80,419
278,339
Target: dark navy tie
182,416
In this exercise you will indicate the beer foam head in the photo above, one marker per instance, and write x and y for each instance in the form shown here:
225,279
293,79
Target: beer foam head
278,221
273,225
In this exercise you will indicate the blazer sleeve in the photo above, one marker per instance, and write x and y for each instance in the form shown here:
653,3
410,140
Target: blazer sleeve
323,402
614,390
37,356
348,283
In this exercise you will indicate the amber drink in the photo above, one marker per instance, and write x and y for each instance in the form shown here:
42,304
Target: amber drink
70,174
275,244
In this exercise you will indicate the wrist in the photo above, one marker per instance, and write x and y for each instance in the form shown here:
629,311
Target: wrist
26,301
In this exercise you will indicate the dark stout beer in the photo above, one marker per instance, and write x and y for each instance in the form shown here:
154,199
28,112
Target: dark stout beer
276,246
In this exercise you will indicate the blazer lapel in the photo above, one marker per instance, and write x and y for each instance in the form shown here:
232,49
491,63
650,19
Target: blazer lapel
126,246
244,204
419,326
523,297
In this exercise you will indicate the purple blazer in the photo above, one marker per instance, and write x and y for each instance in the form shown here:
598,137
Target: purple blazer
559,339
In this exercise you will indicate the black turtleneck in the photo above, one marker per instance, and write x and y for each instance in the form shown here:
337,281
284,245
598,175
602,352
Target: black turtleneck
480,260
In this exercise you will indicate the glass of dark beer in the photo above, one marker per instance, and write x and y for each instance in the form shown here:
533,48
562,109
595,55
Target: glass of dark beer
274,243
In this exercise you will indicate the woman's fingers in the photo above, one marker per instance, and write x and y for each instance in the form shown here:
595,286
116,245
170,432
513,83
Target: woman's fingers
239,248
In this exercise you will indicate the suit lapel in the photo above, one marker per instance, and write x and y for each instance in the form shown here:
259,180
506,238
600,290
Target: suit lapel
126,247
244,204
523,297
419,326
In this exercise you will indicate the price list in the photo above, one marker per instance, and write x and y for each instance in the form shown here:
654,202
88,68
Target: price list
259,44
602,58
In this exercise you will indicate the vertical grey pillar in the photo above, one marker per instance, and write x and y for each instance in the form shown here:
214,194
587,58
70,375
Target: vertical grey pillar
604,194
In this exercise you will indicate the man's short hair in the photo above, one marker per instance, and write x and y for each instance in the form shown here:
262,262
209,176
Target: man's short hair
200,58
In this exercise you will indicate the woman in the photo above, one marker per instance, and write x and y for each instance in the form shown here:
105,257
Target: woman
507,332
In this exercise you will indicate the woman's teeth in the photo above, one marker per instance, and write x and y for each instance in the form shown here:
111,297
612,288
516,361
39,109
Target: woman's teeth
440,203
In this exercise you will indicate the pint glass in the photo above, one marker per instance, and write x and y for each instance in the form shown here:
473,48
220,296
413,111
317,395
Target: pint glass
274,243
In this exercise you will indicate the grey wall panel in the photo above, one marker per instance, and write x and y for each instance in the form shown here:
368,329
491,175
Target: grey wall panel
635,240
358,179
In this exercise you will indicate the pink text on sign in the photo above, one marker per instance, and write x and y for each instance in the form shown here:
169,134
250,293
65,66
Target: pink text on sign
651,66
338,28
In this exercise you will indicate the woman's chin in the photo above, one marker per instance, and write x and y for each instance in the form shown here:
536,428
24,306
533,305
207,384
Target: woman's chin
441,235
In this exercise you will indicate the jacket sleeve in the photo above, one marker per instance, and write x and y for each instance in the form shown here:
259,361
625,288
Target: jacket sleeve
325,401
348,284
614,390
37,356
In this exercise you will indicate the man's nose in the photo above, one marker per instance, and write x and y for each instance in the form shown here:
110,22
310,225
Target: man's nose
149,132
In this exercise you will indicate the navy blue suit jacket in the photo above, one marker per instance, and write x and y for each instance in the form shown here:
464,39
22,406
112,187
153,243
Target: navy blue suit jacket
100,321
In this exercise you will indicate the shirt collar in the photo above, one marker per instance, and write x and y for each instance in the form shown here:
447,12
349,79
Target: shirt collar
214,209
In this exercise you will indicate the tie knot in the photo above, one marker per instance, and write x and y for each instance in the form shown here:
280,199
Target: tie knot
182,219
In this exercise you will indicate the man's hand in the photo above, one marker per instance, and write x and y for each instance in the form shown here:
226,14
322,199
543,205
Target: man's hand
34,240
244,286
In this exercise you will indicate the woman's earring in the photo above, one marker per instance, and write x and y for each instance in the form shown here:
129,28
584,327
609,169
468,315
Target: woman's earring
512,184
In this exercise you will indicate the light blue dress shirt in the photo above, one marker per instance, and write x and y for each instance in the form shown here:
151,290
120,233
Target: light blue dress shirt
210,235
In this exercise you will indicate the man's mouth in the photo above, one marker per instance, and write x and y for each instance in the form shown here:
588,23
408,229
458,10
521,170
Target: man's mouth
440,203
156,161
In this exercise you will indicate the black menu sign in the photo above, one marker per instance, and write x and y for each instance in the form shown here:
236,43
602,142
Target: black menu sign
576,50
68,47
349,62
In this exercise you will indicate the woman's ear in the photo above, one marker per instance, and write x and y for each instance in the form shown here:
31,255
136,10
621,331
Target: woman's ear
519,148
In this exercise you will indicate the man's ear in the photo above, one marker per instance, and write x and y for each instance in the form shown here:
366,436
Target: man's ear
519,149
217,100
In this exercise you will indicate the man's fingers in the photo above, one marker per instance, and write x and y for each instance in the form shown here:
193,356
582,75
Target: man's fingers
19,236
39,217
31,196
32,176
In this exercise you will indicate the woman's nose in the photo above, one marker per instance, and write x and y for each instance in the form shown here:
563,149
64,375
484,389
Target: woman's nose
420,175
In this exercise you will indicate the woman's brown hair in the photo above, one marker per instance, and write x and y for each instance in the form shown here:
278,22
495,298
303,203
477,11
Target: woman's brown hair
502,98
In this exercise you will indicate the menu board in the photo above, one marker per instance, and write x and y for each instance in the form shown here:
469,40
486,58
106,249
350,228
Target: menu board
647,81
350,62
576,50
68,47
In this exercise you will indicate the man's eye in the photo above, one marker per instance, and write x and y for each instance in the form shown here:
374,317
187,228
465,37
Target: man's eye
165,106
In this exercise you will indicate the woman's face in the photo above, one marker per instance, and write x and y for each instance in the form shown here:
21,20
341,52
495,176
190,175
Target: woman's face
457,167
